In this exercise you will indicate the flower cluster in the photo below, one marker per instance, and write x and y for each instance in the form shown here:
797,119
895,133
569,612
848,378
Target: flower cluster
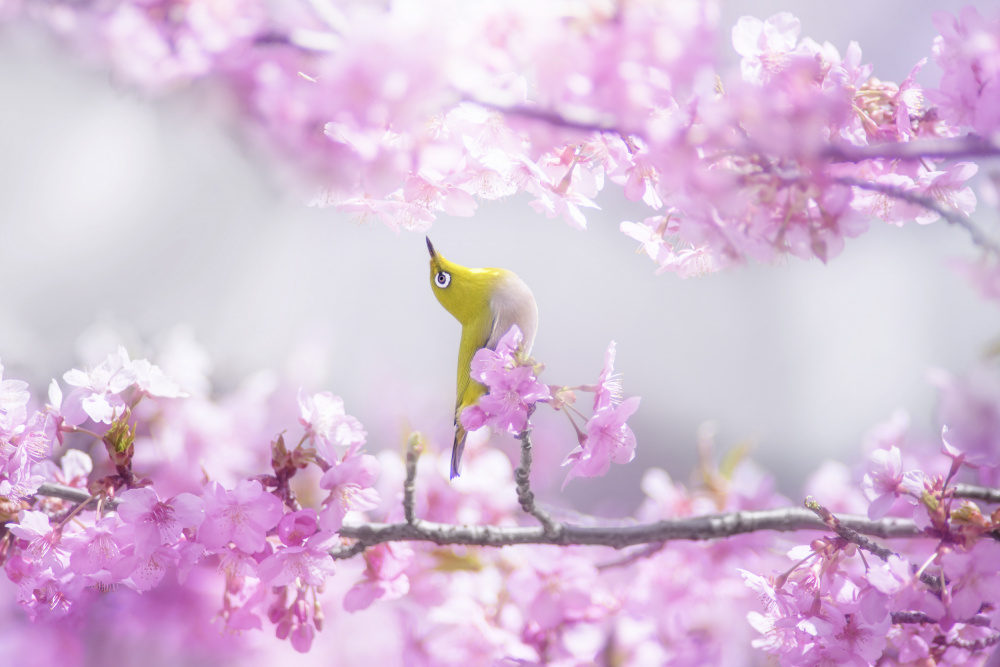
269,550
606,438
836,606
968,50
513,389
421,108
265,547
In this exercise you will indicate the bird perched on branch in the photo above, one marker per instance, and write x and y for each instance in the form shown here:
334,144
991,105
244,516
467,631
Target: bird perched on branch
487,302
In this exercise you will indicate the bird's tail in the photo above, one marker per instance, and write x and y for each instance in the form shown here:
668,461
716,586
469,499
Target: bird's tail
457,449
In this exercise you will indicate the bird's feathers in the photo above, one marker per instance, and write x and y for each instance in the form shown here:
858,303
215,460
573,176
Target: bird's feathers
487,302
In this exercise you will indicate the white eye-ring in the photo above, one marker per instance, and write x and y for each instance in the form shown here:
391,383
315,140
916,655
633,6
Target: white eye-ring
442,279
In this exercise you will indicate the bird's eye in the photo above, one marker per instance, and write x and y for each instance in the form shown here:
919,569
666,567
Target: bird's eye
442,279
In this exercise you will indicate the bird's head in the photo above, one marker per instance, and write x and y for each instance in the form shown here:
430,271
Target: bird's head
463,292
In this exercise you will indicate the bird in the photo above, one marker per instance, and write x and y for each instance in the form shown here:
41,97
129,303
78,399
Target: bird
487,302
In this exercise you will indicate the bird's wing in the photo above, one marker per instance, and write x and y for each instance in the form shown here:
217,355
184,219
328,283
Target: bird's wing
513,303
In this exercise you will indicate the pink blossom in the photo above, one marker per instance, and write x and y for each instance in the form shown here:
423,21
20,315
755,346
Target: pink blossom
98,547
157,523
765,46
850,640
99,390
384,576
506,406
241,516
609,384
237,565
296,527
608,439
145,572
349,483
970,407
967,50
513,387
883,480
19,452
556,589
60,414
949,188
44,540
891,576
74,469
974,576
308,562
328,425
151,380
13,403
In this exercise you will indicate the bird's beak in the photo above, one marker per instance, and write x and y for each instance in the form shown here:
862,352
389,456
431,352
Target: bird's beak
430,247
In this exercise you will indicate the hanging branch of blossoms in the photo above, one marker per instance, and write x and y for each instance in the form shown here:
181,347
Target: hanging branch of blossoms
559,99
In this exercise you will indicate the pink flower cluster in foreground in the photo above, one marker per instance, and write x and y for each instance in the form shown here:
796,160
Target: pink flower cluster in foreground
422,107
256,552
513,391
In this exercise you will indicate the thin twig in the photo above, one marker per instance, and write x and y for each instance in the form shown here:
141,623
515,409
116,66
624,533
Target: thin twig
979,620
634,557
951,215
550,117
838,525
976,645
970,146
525,495
74,494
414,447
849,534
345,552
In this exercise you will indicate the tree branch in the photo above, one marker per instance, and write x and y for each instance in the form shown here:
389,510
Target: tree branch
414,447
707,527
846,532
525,496
850,534
951,215
969,146
74,495
697,528
971,492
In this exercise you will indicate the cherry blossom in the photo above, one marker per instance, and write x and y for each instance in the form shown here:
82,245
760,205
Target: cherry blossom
99,390
328,425
513,387
158,523
608,440
970,86
308,562
241,516
384,577
349,483
13,403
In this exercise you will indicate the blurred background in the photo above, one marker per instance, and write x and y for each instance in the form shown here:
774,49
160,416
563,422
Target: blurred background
123,219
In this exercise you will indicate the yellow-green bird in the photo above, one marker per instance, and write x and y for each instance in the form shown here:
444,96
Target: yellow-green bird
487,302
